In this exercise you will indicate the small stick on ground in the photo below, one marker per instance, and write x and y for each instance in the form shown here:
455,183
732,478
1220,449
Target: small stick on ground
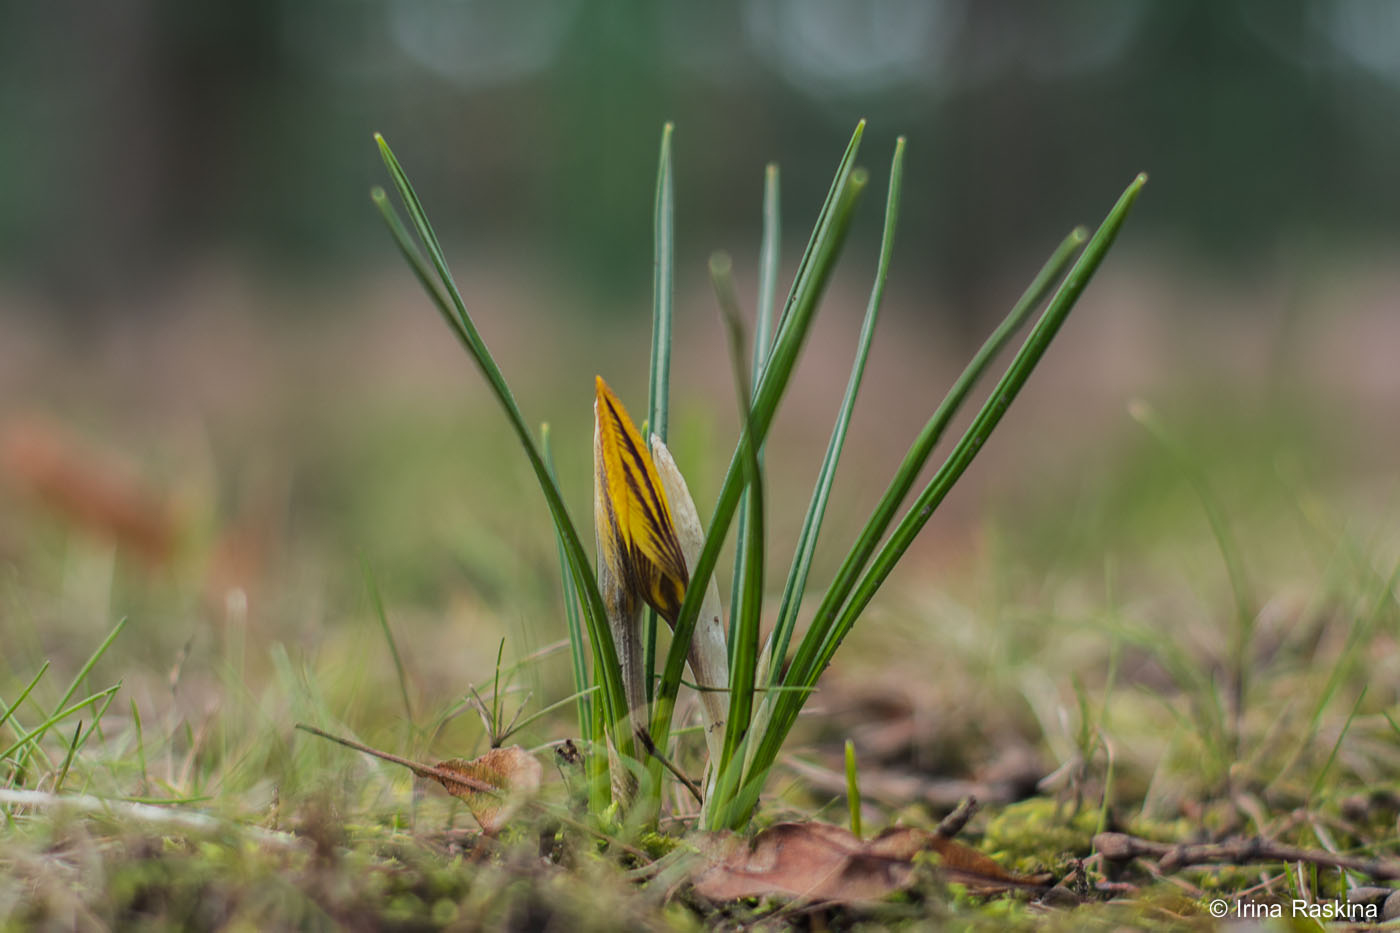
1120,847
440,775
165,816
650,746
445,777
954,822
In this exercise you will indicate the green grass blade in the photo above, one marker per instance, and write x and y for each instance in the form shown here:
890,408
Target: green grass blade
577,658
454,310
377,602
96,721
1243,633
745,614
1230,551
82,674
823,639
768,256
1336,747
982,426
140,742
496,694
414,257
7,712
807,265
662,308
649,652
68,758
91,662
917,456
544,711
34,735
662,290
430,242
596,766
808,287
1342,669
807,290
796,584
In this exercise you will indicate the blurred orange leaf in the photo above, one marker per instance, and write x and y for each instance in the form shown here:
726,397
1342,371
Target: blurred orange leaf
91,489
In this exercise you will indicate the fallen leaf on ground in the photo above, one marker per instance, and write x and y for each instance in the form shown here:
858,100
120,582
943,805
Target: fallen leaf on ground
821,862
494,786
513,773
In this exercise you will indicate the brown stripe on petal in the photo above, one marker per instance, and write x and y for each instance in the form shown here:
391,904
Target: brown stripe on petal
663,550
666,599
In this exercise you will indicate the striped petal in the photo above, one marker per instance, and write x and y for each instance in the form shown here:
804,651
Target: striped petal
641,550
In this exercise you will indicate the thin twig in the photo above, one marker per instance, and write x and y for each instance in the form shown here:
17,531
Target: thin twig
1122,847
442,775
144,813
645,738
954,822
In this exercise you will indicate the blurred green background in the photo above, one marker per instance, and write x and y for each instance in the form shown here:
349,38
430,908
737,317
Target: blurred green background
199,306
192,277
141,135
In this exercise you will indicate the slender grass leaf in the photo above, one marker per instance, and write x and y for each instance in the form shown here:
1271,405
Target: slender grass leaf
68,758
768,257
822,640
454,309
982,426
928,438
662,309
91,662
793,589
544,711
744,647
34,735
1243,631
140,741
96,722
577,659
377,602
662,290
769,254
7,712
808,288
79,677
1336,747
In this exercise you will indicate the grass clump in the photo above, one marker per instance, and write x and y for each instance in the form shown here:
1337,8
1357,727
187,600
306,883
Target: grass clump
654,559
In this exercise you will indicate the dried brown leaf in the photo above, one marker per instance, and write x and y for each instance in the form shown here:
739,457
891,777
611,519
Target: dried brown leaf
511,774
821,862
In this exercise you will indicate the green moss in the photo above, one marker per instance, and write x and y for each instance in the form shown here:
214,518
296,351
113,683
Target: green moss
1037,834
1170,831
657,844
444,912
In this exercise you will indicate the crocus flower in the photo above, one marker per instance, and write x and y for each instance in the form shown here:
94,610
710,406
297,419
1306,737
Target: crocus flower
648,533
